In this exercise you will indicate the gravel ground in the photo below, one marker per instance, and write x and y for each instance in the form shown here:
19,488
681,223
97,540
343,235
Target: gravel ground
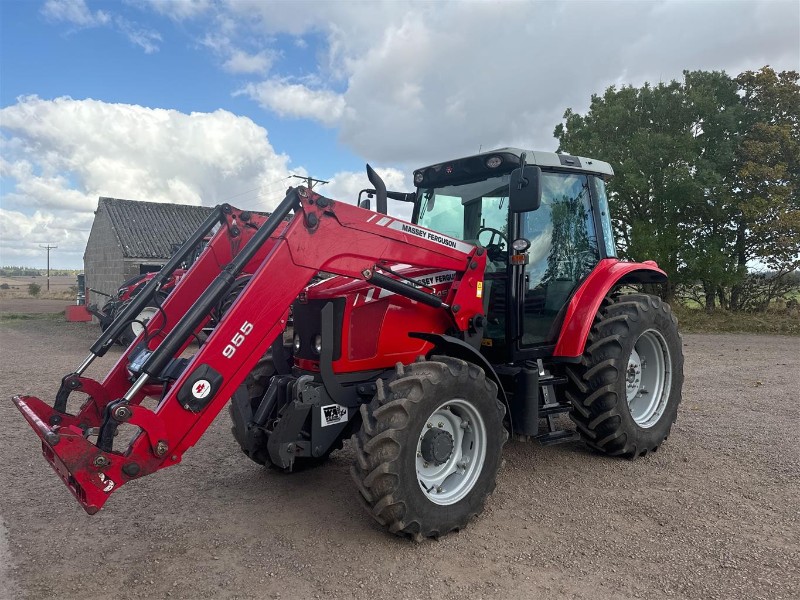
34,306
713,514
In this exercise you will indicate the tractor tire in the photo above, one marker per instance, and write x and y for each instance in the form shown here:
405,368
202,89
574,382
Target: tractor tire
429,447
241,410
626,389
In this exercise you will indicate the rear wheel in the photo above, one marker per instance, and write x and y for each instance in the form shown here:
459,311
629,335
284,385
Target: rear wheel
430,447
626,390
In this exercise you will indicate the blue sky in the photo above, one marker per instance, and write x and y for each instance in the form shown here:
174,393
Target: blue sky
198,101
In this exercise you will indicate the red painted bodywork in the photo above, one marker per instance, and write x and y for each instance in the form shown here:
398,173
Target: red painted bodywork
338,238
377,322
587,300
77,312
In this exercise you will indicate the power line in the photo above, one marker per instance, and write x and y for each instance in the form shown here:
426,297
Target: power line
268,185
311,181
48,247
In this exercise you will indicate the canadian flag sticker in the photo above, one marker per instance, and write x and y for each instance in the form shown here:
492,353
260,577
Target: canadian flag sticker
201,388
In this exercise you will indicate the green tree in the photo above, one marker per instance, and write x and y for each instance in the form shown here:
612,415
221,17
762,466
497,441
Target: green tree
646,134
706,174
766,184
34,289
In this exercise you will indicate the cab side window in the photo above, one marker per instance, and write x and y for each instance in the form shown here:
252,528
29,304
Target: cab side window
563,251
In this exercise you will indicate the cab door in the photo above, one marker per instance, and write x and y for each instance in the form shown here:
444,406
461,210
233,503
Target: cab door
563,251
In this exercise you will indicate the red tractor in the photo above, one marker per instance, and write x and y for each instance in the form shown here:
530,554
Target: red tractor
128,290
494,310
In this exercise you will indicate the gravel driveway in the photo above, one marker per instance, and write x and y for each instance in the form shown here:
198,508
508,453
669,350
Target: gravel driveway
713,514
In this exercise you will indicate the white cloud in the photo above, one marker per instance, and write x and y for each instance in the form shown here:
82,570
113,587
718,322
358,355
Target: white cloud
179,10
21,234
414,82
346,185
147,39
297,100
75,12
242,62
235,60
60,155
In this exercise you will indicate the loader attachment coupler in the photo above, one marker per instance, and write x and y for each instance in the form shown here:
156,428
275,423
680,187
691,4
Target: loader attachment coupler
281,255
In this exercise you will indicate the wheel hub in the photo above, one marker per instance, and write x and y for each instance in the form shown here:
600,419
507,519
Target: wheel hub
633,376
451,448
648,378
436,446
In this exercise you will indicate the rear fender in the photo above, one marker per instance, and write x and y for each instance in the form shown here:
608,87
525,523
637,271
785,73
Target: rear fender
586,301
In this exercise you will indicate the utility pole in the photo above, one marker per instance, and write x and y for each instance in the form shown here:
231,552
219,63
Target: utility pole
310,181
48,247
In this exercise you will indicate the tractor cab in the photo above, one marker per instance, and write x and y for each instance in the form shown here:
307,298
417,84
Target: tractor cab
536,258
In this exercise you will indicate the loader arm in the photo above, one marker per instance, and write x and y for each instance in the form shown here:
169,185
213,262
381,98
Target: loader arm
283,253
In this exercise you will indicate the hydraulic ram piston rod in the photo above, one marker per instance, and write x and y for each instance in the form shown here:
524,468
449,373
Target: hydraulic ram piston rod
214,292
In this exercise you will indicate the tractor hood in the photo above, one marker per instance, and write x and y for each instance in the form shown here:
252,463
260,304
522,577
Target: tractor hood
431,280
371,324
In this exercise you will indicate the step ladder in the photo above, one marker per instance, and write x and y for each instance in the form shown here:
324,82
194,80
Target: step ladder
551,409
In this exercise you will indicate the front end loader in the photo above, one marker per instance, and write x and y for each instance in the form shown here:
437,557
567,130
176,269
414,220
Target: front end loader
426,344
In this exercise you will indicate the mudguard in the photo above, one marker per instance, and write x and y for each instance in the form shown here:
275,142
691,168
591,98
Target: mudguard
586,301
452,346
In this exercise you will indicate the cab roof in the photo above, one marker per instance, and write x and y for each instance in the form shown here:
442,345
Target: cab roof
546,159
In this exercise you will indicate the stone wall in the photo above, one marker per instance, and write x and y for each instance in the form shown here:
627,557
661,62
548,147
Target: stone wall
103,264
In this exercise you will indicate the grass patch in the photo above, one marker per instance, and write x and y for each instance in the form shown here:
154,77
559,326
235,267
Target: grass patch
694,320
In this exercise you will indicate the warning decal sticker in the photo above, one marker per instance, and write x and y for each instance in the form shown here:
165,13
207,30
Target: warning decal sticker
333,414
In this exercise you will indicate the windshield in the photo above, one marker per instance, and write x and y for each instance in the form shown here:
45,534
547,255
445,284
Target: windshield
462,211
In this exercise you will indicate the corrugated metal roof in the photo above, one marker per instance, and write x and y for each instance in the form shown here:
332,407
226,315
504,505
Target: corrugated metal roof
151,229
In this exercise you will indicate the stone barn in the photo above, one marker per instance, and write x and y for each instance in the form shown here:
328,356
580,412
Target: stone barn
129,238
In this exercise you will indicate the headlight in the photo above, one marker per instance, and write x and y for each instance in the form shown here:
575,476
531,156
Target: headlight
296,343
318,343
521,244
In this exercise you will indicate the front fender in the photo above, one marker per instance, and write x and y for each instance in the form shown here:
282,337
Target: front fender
587,299
451,346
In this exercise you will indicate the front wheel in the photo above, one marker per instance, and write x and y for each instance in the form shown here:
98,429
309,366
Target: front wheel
430,447
626,390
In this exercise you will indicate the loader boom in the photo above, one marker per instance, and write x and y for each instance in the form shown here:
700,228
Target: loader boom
283,253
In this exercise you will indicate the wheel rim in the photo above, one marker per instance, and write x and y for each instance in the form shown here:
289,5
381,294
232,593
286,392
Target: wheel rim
144,316
454,477
648,378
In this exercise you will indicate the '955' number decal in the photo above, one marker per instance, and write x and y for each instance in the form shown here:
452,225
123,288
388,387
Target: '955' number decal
237,340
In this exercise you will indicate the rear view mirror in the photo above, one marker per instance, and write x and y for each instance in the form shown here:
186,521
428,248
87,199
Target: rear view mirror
525,189
364,204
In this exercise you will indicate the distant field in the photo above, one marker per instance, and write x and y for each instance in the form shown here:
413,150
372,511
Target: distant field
60,286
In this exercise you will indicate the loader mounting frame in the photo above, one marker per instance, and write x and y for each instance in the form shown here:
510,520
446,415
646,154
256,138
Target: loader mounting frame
305,234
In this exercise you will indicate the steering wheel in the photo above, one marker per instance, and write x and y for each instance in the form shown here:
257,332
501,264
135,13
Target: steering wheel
495,251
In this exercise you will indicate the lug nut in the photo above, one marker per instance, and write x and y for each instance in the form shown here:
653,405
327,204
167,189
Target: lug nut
161,448
100,461
429,425
440,424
